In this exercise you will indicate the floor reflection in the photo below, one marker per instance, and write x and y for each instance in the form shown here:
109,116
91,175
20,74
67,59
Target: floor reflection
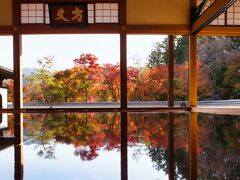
121,146
6,131
218,146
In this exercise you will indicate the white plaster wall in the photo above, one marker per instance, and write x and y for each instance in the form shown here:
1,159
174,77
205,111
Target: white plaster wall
4,120
4,123
4,94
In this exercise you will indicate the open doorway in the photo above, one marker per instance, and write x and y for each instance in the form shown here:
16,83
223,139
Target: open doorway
71,71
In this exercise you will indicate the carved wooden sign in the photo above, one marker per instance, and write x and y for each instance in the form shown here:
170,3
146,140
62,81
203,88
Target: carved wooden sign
68,14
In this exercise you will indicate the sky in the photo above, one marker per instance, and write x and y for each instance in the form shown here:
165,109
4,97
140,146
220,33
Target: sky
65,48
69,166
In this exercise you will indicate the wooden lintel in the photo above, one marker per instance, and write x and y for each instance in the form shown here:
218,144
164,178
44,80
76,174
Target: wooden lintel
220,31
90,29
158,29
106,29
6,30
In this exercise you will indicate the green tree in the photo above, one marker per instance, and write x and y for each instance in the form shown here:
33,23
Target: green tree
41,84
231,80
215,53
159,55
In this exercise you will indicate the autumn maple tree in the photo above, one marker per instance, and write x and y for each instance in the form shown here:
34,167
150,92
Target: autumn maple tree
88,81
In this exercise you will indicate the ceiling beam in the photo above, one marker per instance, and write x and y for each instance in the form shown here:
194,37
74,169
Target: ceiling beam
211,13
220,31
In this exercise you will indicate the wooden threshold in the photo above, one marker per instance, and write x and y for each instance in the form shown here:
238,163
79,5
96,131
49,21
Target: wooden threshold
89,110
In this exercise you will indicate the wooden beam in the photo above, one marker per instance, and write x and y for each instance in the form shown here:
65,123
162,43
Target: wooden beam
211,13
220,31
158,29
91,110
104,29
6,30
90,29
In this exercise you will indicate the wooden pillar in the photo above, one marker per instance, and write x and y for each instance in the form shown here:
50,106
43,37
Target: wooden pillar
17,44
193,145
123,74
17,71
170,71
123,70
18,147
171,104
123,55
192,70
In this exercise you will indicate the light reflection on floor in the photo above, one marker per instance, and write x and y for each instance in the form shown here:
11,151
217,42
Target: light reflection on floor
88,146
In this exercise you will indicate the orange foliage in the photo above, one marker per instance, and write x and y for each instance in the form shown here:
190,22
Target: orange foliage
88,81
156,83
9,85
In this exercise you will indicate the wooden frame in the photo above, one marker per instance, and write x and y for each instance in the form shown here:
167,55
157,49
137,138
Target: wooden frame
121,28
129,29
18,29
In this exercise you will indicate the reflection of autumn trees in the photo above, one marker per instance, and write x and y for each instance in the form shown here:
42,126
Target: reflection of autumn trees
87,132
152,131
218,143
9,131
148,129
219,147
36,130
218,139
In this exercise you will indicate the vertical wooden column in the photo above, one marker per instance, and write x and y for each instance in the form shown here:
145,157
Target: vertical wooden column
171,104
123,69
171,145
192,90
170,71
123,54
123,74
17,71
192,70
193,145
17,55
18,147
